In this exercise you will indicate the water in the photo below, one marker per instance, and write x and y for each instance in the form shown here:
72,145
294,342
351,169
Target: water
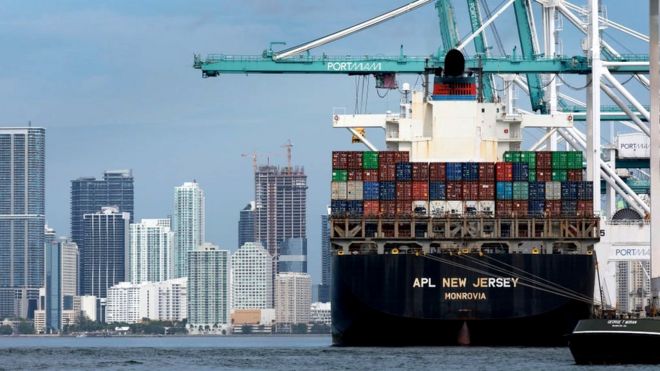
266,352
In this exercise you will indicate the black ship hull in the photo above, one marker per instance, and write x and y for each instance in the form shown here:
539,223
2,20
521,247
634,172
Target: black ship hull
404,299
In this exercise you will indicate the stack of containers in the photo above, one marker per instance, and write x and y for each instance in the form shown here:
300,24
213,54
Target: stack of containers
437,188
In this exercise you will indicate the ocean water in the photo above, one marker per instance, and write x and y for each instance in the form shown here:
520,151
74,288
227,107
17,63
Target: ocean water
266,353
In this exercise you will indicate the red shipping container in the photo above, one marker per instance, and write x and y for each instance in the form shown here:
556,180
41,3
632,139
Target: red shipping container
339,160
503,209
438,171
420,190
552,208
401,156
520,208
486,172
355,160
585,208
386,157
420,171
403,208
574,175
471,191
544,160
387,172
387,208
504,171
370,175
486,191
371,208
454,191
404,191
543,175
355,175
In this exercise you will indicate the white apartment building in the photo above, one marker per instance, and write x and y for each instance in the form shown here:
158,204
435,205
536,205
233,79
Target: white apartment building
252,277
293,297
208,288
320,313
151,245
188,224
131,302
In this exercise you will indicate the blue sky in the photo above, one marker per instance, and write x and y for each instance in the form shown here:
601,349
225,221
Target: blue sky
113,84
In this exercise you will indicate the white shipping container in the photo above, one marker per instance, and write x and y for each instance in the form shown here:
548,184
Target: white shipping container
553,190
486,208
633,145
354,188
470,207
420,208
338,190
438,208
455,207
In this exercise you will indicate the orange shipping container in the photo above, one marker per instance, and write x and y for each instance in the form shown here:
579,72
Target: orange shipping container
371,208
420,190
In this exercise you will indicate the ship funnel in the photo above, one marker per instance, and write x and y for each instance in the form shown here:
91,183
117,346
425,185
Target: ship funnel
454,63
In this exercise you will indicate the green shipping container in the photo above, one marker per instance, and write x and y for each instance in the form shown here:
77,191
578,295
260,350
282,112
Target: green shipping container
532,175
559,160
340,175
520,190
559,175
370,160
529,158
574,160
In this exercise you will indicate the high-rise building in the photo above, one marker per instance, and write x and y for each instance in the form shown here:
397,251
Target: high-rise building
103,260
252,282
61,283
150,251
293,255
280,206
633,285
188,223
326,271
246,225
159,301
208,287
22,208
293,298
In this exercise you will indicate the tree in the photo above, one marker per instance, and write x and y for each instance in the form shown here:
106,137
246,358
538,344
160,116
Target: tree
299,328
320,328
6,330
25,328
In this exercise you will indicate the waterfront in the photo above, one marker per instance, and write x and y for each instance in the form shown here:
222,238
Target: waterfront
263,352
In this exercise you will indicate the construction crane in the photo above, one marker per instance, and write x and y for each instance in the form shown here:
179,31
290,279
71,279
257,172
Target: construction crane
254,156
288,146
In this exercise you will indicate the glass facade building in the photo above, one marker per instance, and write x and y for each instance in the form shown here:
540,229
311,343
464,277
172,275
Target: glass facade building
22,208
246,225
326,271
293,256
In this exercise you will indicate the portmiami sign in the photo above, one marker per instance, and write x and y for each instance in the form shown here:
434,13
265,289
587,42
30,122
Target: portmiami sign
630,253
354,66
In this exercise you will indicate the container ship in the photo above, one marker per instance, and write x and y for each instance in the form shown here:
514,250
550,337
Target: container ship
453,235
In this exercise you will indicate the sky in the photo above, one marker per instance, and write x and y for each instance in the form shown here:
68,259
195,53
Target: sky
113,84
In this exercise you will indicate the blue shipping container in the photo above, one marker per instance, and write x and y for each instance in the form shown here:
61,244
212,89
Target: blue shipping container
520,172
585,191
470,171
403,171
454,171
437,191
354,208
568,207
338,207
387,191
536,207
504,190
537,190
569,190
371,191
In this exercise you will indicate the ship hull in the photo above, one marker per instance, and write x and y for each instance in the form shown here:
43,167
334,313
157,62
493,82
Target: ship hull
401,300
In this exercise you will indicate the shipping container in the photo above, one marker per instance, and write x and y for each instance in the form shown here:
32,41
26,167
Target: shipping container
532,175
520,172
437,191
470,207
404,191
574,175
339,160
339,175
354,175
486,191
568,208
355,160
370,160
420,208
454,171
512,156
487,172
403,208
503,209
454,190
536,208
529,158
569,191
386,157
559,175
520,208
438,208
420,190
455,208
338,207
438,171
504,190
585,191
371,191
543,175
355,208
574,160
471,190
371,208
559,160
520,190
553,191
387,208
369,175
387,191
486,208
387,172
403,171
354,190
585,208
504,171
470,171
537,190
401,156
420,171
552,208
543,160
338,190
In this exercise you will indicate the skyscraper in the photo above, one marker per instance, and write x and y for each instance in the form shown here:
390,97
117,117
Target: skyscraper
61,282
103,260
280,206
293,255
22,208
326,272
150,251
252,281
189,222
208,287
246,225
293,297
